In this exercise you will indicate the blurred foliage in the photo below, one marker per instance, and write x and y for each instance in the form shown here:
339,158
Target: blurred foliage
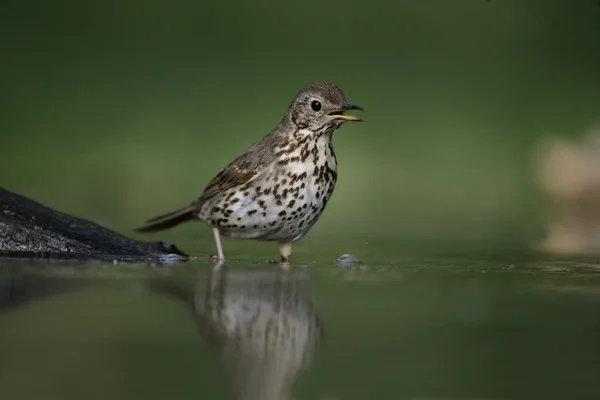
116,111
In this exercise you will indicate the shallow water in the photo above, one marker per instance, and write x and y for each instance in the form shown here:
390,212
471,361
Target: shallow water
438,327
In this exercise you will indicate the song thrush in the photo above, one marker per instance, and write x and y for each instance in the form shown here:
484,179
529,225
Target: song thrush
277,189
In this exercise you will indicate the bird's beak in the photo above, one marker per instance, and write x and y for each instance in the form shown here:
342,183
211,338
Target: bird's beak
339,113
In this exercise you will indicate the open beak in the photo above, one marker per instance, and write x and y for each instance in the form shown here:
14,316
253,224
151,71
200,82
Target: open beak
339,114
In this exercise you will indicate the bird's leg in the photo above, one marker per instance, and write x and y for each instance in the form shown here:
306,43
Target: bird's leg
285,251
220,255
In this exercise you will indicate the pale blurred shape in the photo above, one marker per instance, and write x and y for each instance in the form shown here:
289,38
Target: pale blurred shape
569,174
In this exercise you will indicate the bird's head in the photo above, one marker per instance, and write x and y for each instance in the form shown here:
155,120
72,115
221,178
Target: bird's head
321,107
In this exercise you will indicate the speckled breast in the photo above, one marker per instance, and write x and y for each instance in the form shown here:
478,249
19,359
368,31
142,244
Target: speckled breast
283,202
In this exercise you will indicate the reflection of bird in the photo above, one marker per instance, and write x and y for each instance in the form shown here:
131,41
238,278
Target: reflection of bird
262,323
278,188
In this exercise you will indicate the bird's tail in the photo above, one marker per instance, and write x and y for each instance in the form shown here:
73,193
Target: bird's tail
168,220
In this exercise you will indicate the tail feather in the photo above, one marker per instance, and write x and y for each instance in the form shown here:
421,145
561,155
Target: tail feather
168,220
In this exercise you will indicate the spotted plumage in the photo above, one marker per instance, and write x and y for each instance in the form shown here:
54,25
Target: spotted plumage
277,189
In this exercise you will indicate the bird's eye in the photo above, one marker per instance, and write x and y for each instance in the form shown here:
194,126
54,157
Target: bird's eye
315,105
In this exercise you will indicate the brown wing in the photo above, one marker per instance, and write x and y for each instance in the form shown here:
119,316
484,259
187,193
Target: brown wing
241,170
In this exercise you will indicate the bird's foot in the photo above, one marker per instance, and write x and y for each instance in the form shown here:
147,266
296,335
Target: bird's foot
284,263
281,260
218,262
218,265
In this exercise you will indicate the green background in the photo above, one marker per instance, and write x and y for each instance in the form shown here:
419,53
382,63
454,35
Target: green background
120,110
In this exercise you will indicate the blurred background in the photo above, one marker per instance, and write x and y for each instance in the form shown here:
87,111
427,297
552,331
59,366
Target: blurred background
116,111
481,132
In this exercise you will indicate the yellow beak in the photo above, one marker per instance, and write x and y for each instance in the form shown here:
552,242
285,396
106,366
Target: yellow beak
339,114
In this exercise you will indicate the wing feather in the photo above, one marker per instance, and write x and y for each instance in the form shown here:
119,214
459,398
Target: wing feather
242,170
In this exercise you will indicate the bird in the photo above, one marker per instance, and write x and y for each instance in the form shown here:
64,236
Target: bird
277,188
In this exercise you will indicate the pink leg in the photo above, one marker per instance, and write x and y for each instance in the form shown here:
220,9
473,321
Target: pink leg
285,251
220,255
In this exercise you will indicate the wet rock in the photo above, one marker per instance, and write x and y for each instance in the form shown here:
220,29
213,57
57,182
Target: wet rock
31,230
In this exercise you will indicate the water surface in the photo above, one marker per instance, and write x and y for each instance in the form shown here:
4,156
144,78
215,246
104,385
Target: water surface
438,327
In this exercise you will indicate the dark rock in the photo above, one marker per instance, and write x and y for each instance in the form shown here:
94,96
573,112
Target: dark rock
31,230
